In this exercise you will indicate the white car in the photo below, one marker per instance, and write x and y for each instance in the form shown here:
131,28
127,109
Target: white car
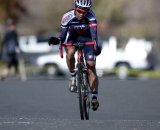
135,55
53,64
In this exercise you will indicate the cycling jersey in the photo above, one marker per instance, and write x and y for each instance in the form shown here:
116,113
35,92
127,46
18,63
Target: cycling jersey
71,27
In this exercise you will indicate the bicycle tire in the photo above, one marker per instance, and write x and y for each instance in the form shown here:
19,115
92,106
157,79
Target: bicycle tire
79,87
86,101
86,108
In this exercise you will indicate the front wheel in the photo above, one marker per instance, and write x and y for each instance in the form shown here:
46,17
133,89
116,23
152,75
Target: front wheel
86,107
81,103
86,100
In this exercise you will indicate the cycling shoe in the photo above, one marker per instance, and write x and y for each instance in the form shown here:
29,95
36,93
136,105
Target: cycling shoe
95,103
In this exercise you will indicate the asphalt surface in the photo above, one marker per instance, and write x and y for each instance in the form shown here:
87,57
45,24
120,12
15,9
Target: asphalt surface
47,104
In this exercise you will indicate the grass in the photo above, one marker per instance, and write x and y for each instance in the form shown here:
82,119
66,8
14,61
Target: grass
155,74
151,74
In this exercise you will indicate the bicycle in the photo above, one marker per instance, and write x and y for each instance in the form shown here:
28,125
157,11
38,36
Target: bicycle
82,82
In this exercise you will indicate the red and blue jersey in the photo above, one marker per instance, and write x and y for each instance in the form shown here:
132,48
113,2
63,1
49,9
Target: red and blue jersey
72,27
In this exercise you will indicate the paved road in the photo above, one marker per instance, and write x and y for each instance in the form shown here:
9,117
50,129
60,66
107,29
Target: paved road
39,104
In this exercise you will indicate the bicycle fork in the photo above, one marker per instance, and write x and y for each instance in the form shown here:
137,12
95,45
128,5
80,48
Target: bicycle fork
82,70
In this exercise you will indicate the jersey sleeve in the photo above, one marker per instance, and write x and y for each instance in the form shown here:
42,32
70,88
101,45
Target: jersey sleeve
93,26
64,25
63,33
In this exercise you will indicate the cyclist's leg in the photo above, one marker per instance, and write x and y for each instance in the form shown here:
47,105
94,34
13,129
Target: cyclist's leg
92,76
71,66
70,51
93,80
90,58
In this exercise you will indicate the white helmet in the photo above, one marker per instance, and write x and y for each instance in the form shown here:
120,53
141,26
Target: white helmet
83,3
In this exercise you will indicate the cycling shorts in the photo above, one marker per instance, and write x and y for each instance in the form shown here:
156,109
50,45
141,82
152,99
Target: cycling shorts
89,52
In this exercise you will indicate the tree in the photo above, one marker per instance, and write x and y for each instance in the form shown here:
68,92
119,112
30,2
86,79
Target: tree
11,9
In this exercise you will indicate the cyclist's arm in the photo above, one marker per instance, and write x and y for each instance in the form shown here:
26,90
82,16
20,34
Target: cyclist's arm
93,30
93,26
63,33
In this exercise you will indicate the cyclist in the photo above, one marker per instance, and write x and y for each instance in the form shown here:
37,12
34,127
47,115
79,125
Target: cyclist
80,25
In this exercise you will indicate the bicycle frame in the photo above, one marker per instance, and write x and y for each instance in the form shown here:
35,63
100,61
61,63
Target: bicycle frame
81,78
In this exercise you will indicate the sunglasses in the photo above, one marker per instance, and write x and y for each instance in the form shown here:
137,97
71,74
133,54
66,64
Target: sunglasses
80,11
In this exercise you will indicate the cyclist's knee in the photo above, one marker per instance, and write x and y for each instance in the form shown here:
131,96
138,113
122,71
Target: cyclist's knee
70,56
91,65
91,70
70,53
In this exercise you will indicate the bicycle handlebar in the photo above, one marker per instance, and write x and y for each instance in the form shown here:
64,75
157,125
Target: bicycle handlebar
56,41
78,44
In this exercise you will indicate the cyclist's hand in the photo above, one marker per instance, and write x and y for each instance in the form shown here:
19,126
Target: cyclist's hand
53,41
98,50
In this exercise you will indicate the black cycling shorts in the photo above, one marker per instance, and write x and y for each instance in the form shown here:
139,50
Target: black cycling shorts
89,52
